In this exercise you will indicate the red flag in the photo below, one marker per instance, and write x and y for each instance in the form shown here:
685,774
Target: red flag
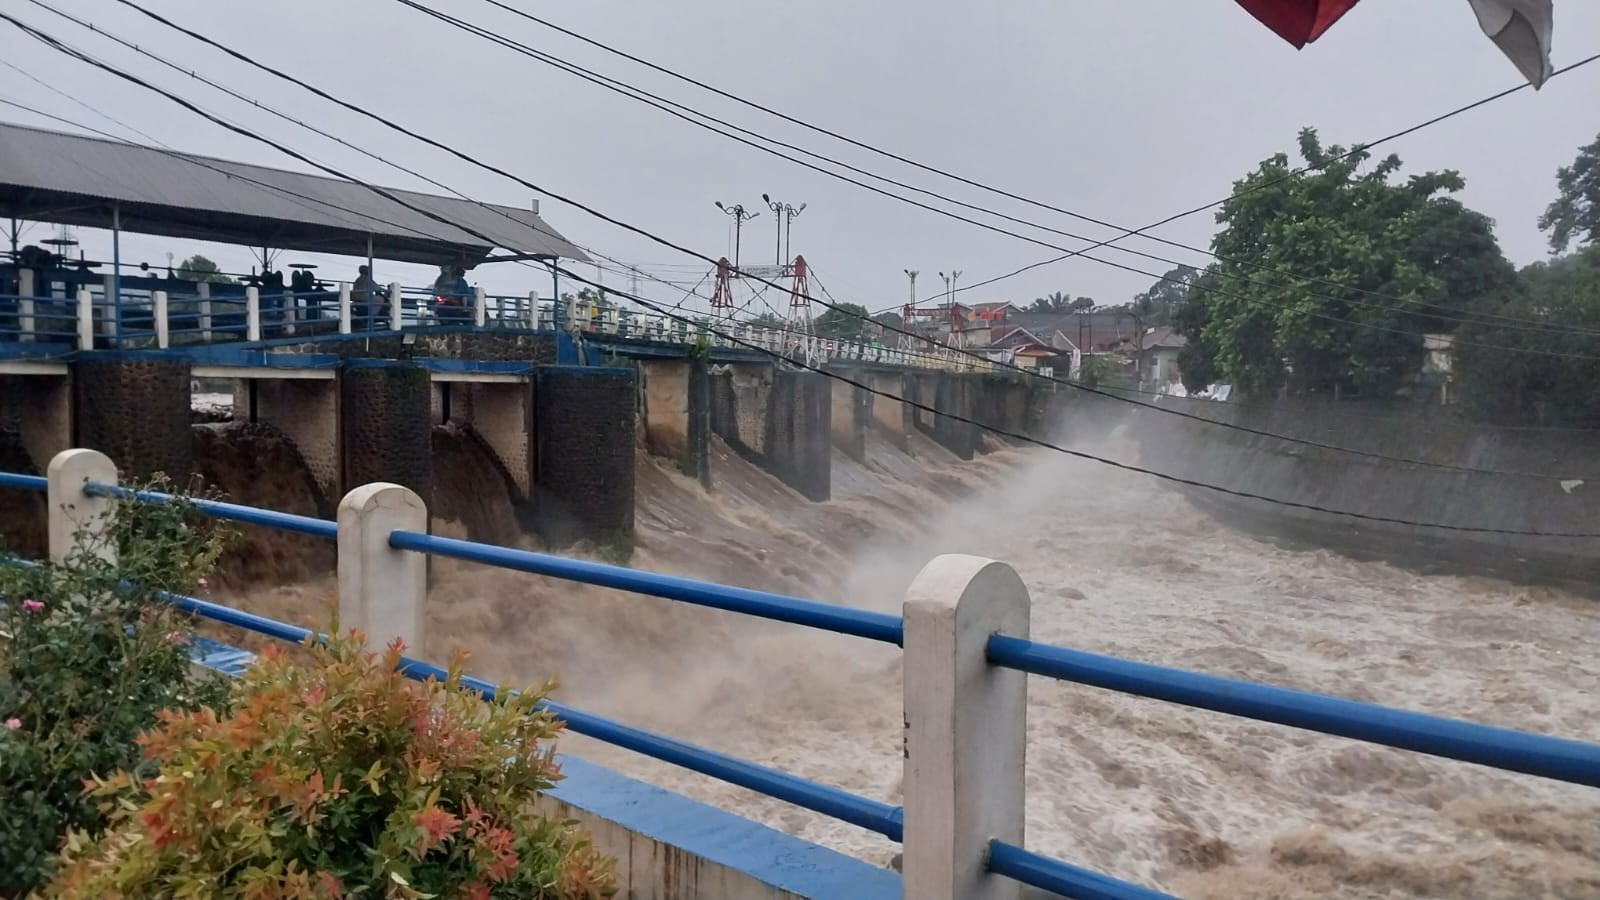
1297,21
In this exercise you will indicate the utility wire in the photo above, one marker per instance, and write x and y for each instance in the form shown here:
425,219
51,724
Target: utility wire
1261,186
689,114
640,95
589,210
1018,436
49,41
61,47
1125,231
1534,351
665,242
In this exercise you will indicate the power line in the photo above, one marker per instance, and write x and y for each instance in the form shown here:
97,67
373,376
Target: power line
589,210
651,99
1018,436
685,113
1359,148
61,47
1125,232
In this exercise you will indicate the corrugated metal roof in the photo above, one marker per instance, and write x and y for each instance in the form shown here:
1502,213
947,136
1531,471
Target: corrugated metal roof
71,179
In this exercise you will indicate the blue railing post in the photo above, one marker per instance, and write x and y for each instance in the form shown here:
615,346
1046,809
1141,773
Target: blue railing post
966,728
71,510
383,590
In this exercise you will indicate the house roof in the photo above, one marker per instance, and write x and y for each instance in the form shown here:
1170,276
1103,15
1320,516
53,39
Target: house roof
51,176
1163,337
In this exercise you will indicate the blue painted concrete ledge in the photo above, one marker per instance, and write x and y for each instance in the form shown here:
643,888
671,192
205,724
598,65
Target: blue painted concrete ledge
765,854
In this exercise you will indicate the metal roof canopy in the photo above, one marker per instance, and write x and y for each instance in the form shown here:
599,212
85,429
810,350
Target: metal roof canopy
68,179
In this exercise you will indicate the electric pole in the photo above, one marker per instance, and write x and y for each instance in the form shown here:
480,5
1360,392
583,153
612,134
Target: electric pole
740,216
912,274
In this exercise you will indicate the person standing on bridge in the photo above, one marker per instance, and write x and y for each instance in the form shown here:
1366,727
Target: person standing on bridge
361,297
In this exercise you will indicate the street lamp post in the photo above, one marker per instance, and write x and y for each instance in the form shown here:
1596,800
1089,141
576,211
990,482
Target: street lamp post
785,216
740,216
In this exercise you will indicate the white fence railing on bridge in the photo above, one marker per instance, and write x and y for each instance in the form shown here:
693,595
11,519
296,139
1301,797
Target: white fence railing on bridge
217,314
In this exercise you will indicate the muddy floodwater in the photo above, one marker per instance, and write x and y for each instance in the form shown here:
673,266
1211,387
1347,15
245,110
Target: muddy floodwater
1191,802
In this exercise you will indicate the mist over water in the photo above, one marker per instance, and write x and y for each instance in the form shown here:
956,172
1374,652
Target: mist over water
1192,802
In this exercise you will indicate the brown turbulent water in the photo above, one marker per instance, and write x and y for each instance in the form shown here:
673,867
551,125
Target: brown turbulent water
1192,802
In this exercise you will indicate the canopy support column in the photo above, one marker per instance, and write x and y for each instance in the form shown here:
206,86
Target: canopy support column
116,274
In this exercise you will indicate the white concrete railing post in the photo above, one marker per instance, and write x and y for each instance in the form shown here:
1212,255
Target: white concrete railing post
72,511
252,313
108,313
203,290
289,311
480,307
533,309
158,311
397,308
344,309
966,728
85,319
25,320
382,591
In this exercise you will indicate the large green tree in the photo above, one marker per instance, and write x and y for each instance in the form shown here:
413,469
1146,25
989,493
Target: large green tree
1329,274
843,322
1157,305
1531,356
1575,213
201,268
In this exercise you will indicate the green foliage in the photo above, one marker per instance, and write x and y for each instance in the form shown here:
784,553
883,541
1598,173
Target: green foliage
201,268
93,655
1097,369
1554,385
1575,213
1059,302
1358,233
340,778
844,322
1159,304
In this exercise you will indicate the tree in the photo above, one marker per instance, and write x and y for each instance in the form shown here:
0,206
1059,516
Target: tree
1157,304
845,322
1546,369
1575,213
1328,277
1056,302
200,268
889,320
1060,302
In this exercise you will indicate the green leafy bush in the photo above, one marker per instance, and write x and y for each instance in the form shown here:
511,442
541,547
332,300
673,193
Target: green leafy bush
339,778
91,656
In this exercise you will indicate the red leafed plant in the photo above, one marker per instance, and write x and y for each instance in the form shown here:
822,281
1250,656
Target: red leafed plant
340,778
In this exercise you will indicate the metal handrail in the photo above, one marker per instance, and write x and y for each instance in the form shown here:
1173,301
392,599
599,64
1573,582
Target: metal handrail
778,607
873,815
1541,755
1562,759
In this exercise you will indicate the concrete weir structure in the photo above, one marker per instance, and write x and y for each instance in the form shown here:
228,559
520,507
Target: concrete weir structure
563,435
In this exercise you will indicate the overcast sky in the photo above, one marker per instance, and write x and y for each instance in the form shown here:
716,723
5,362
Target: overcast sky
1127,112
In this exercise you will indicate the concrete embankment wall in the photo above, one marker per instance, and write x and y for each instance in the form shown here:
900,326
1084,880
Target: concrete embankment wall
1533,480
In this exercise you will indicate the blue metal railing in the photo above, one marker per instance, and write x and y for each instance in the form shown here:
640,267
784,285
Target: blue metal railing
1542,755
1501,748
828,617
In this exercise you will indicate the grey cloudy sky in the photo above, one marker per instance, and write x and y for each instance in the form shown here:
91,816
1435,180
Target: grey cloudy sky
1124,111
